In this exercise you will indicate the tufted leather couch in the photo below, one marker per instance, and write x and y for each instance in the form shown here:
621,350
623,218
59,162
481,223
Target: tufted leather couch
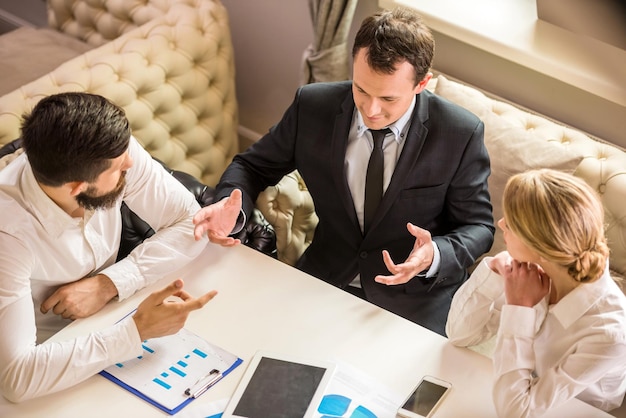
168,63
517,139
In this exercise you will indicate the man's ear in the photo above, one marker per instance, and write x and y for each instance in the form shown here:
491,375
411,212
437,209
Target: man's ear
422,84
77,187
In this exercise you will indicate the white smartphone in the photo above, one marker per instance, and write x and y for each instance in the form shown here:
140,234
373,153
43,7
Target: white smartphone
426,397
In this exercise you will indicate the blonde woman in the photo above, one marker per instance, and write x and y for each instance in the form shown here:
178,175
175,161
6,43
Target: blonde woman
558,317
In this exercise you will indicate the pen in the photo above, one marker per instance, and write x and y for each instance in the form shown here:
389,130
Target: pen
203,384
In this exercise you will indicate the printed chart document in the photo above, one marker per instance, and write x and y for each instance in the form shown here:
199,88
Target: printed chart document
170,366
352,393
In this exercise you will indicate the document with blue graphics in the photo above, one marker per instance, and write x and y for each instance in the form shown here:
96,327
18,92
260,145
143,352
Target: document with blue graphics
173,370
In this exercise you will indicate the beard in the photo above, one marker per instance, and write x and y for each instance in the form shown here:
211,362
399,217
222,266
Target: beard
90,200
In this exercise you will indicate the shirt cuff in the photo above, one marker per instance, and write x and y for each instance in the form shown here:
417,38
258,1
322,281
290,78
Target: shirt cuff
126,277
125,340
434,267
131,331
241,222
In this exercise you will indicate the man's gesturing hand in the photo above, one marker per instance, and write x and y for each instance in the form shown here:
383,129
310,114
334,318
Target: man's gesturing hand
156,317
420,258
218,220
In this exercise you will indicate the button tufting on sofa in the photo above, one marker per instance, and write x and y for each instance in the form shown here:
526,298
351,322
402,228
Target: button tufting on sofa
168,64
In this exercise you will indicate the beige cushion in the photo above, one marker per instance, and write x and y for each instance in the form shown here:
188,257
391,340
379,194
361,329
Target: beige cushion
518,140
173,76
288,206
512,148
28,53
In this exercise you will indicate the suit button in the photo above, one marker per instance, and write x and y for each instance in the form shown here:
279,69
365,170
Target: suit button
363,255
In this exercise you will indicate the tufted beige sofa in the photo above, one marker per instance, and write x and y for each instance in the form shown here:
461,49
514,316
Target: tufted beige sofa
168,63
517,140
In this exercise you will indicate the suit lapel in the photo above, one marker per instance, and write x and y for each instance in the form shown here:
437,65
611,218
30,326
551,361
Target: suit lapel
339,145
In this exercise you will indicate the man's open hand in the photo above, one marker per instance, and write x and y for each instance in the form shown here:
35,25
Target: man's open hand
420,259
218,220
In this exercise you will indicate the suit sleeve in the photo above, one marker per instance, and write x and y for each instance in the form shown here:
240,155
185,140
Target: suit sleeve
265,162
468,211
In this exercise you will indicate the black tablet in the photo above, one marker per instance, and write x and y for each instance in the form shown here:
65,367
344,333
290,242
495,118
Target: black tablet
280,386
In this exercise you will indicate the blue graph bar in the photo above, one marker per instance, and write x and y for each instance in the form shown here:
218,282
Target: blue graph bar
178,372
161,380
199,353
162,383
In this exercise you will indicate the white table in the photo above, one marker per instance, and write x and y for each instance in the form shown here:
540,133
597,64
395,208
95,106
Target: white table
265,304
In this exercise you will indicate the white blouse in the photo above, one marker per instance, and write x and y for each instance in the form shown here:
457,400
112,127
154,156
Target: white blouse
547,354
42,247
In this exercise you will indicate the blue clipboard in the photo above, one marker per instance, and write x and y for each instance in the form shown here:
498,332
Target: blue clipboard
155,403
168,366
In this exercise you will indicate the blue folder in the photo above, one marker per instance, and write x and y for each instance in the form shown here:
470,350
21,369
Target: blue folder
168,366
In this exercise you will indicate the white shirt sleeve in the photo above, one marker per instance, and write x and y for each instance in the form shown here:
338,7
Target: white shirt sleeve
28,370
475,311
519,392
168,207
527,384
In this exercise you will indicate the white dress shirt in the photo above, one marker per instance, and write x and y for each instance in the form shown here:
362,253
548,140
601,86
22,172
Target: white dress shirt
360,146
547,354
42,247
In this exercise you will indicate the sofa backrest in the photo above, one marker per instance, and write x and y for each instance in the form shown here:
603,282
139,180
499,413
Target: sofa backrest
173,75
518,139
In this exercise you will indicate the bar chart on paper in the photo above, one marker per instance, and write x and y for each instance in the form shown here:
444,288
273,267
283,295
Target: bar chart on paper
170,365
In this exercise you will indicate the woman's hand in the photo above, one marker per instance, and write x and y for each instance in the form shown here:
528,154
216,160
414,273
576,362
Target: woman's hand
525,284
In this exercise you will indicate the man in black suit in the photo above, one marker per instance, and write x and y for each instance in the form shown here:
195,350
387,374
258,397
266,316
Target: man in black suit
435,213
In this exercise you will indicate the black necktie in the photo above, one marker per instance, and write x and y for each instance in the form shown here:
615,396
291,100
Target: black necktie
374,178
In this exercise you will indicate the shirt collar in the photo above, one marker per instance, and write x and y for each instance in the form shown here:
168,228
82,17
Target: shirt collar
576,303
398,128
53,219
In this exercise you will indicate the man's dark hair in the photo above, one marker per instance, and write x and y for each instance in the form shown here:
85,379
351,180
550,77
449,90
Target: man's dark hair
73,136
392,37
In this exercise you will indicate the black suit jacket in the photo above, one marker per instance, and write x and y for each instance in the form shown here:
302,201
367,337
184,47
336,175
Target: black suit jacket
439,184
